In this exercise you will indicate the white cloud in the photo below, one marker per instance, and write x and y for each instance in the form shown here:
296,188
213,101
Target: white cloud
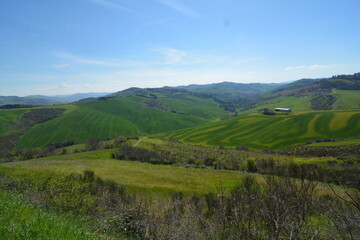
172,55
63,86
314,66
317,66
295,67
180,8
106,63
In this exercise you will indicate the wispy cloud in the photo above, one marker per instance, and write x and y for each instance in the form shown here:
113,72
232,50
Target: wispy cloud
96,62
313,67
60,66
172,55
295,67
111,5
175,5
63,86
317,66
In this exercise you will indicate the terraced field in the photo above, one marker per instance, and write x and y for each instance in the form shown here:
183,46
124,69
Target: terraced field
259,131
119,116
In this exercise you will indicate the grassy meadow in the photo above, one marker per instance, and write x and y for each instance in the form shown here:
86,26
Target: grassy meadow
347,99
297,104
259,131
138,177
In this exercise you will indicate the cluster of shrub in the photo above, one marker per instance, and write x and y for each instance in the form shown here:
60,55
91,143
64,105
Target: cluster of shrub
273,208
322,102
128,152
267,111
351,150
61,144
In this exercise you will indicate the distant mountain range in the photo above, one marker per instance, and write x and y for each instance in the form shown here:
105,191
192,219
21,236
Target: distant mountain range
48,100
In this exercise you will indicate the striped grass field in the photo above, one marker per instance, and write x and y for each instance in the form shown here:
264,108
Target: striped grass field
117,116
259,131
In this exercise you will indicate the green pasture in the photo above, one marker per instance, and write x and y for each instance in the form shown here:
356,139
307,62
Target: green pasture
205,108
297,104
259,131
346,99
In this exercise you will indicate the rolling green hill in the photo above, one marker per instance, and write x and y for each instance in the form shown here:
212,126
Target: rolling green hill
259,131
128,115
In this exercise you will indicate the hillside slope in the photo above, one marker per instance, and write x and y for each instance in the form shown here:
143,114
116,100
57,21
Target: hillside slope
128,115
337,92
259,131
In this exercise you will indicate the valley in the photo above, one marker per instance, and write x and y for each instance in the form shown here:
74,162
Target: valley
196,151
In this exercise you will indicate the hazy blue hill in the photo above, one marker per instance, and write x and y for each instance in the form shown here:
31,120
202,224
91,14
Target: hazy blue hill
5,100
240,89
47,100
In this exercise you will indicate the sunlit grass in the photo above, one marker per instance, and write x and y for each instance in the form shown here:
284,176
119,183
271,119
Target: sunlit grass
258,131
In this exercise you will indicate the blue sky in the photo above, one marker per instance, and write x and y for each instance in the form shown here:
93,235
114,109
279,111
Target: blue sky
60,47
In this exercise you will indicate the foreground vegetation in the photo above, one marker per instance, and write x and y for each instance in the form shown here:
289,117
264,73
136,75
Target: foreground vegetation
140,187
267,196
275,208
